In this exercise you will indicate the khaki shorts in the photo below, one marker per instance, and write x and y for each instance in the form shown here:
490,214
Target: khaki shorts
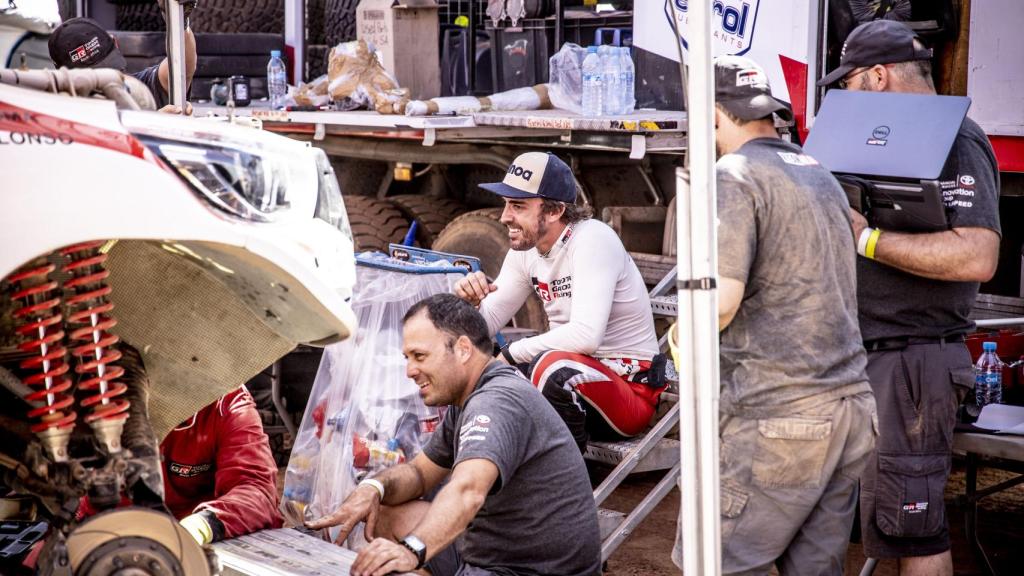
789,487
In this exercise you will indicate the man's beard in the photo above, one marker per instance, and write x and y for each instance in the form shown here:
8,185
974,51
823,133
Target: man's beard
529,240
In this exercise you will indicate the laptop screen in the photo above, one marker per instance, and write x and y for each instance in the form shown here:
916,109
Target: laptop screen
884,134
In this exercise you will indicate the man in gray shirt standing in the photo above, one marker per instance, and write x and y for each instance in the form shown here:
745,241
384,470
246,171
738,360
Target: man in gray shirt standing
796,407
518,499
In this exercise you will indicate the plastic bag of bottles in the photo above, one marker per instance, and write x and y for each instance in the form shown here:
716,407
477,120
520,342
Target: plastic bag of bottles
565,87
364,414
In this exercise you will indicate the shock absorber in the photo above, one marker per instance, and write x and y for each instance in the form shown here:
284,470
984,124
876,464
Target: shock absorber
39,324
93,346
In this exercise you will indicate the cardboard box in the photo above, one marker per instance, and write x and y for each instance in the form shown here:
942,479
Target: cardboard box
406,34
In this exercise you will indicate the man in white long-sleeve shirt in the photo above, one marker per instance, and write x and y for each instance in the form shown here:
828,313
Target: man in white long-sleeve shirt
595,363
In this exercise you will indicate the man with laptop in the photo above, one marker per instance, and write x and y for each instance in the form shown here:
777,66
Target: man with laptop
915,292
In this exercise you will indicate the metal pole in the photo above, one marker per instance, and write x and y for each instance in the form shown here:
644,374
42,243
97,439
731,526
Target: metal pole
174,15
698,309
295,37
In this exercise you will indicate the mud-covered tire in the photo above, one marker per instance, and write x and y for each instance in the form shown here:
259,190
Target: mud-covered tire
480,233
340,21
357,177
432,213
139,17
375,223
209,16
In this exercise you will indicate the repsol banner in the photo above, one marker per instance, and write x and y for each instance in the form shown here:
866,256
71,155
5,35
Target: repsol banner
774,33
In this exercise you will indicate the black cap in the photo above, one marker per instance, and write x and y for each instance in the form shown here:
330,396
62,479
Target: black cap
876,42
741,87
536,174
83,43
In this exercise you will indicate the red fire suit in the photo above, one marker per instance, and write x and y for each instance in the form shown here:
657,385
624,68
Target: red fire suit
218,463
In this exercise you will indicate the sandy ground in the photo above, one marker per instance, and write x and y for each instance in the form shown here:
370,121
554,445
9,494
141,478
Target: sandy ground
1000,528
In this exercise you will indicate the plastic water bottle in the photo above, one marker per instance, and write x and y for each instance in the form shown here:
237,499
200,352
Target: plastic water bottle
612,103
277,84
988,377
627,73
593,85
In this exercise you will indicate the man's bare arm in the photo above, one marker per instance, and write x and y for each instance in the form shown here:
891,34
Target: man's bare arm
164,72
730,295
456,504
411,480
957,255
402,483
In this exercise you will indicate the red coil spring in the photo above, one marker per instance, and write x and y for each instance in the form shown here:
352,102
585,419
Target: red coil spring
45,337
86,299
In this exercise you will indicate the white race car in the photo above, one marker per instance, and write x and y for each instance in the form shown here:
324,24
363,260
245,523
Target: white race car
145,253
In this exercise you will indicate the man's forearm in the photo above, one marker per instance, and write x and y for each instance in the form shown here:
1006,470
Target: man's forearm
449,515
958,255
402,483
191,58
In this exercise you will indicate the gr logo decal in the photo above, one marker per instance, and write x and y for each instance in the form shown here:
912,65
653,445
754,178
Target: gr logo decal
521,172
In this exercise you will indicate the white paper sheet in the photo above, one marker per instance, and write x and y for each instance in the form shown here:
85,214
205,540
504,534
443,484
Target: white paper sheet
1002,418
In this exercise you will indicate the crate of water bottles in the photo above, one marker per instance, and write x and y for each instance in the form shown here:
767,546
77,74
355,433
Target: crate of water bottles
596,81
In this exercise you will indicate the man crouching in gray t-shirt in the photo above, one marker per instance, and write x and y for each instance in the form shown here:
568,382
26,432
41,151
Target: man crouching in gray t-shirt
796,408
518,499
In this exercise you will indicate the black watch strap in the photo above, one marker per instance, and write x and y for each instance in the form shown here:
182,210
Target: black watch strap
417,547
507,355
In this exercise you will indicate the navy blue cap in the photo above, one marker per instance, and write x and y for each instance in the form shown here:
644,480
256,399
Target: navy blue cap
536,174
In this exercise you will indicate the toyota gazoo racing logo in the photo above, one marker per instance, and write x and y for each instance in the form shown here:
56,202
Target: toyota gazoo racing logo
732,23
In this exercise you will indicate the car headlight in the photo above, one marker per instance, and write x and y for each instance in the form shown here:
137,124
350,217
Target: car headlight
241,182
330,207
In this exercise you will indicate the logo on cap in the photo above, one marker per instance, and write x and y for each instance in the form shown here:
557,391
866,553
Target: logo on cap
521,172
751,77
85,50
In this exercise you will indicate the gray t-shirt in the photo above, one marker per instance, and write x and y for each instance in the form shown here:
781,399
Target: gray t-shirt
540,517
784,230
896,304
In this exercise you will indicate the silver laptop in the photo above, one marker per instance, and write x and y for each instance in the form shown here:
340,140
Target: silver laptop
888,151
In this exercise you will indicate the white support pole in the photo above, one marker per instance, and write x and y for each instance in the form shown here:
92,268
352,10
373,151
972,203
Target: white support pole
698,310
295,37
174,15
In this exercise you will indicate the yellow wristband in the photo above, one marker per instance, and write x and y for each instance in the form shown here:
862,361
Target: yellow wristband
869,250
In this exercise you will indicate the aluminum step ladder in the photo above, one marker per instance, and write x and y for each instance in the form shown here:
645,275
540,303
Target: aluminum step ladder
651,452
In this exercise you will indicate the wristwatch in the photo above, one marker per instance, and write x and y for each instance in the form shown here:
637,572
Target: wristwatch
418,548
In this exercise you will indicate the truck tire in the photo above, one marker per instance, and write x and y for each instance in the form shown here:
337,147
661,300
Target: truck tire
479,233
432,213
209,16
375,223
340,21
142,17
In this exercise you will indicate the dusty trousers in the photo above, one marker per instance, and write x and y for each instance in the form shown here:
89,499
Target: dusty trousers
789,487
